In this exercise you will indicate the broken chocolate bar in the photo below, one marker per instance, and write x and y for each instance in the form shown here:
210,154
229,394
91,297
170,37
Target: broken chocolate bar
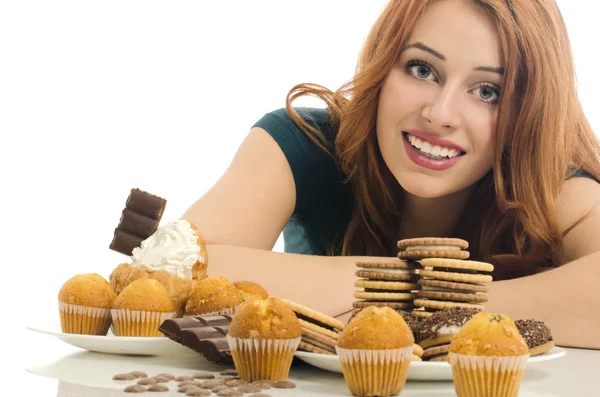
204,335
139,220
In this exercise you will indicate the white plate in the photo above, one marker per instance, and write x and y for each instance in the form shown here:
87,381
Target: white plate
418,370
128,345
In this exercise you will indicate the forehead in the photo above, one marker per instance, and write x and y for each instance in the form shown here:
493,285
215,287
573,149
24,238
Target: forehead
459,28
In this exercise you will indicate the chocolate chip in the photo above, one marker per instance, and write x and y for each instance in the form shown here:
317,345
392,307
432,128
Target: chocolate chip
209,384
183,378
263,384
219,388
167,375
139,374
230,393
123,377
229,372
190,383
198,393
135,389
284,384
203,375
249,389
260,395
161,379
158,387
228,377
186,388
147,381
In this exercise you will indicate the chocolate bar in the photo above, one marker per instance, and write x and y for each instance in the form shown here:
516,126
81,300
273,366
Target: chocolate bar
139,220
204,335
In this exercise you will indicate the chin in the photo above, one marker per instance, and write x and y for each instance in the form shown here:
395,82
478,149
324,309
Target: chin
423,188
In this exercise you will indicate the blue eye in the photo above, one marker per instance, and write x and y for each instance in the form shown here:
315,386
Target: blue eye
420,70
488,93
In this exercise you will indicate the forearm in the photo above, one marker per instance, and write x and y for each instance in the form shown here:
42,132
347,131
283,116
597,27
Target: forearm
567,299
324,283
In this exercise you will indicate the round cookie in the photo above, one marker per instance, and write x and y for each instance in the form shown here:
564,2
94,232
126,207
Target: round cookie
308,313
457,264
385,296
435,351
386,285
392,270
450,286
434,304
454,296
390,304
459,277
433,247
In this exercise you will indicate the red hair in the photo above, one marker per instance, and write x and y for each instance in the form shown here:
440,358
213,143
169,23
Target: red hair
542,136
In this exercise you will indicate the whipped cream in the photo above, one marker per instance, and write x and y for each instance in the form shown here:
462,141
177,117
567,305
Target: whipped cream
173,248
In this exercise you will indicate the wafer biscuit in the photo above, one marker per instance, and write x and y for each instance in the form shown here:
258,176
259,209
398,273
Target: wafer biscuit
307,313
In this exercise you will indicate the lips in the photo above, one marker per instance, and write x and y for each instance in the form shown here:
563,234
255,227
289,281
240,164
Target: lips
423,160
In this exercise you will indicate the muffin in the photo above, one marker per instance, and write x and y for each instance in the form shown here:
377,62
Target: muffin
84,303
175,255
263,337
141,307
213,296
375,351
248,289
488,357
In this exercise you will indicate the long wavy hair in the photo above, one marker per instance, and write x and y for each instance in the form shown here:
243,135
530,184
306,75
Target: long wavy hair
542,136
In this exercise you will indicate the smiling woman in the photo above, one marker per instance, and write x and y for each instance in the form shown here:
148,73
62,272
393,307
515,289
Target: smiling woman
462,120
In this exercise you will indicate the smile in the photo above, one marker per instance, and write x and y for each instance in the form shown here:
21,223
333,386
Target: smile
430,155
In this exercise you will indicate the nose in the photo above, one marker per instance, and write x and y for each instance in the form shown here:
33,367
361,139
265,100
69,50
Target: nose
442,110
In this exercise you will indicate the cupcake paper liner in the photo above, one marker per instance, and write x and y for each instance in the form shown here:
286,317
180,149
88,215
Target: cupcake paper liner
138,323
258,359
76,319
487,376
375,372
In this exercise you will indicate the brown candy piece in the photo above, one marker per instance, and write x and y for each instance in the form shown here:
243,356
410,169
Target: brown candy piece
249,388
147,382
284,384
146,204
209,384
263,384
167,375
183,378
198,393
135,389
230,393
139,374
123,377
203,375
161,379
190,383
231,372
219,388
158,387
235,382
186,388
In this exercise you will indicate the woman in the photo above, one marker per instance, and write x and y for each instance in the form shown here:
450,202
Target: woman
462,120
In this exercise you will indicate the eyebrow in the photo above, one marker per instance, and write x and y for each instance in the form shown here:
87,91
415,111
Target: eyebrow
436,54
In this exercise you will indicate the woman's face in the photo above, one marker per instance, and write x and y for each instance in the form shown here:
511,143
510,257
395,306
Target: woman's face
438,106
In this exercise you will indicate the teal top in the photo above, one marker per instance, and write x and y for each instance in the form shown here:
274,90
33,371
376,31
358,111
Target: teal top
323,201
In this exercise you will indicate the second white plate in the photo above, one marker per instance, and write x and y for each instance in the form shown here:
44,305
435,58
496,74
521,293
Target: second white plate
418,370
110,343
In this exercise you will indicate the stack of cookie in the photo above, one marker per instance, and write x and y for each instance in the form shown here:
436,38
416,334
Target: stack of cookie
446,278
390,283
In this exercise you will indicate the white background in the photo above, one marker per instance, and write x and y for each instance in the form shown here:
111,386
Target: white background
99,97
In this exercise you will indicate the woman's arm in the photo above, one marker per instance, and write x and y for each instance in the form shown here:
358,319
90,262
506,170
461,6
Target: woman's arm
567,298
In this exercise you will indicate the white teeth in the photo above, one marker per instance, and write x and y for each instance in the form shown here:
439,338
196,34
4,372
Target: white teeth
427,148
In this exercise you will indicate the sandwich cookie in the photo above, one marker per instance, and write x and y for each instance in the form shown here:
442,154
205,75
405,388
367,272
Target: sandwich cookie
446,283
417,353
393,294
320,332
537,335
433,247
392,270
440,328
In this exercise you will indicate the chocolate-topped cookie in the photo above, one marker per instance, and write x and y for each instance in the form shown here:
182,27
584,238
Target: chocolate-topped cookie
537,335
441,326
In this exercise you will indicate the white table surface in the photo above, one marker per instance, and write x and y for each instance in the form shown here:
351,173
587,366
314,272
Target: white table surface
49,367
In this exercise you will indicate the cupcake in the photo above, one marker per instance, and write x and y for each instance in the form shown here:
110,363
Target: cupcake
263,337
213,296
488,357
141,307
175,255
84,303
375,351
248,289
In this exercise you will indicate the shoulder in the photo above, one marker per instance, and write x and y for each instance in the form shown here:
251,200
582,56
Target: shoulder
578,212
